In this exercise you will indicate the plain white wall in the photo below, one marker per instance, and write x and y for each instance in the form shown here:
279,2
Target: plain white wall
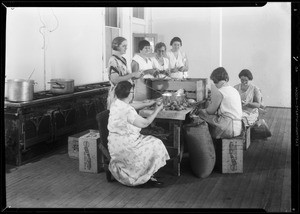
261,42
255,38
73,49
198,29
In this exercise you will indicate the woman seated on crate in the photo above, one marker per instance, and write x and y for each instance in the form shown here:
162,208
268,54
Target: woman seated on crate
251,97
178,59
118,71
134,157
160,62
224,112
141,62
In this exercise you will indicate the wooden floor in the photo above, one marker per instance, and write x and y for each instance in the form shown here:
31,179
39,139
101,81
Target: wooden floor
54,181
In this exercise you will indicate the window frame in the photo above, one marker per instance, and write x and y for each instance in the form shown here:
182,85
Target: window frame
106,28
144,11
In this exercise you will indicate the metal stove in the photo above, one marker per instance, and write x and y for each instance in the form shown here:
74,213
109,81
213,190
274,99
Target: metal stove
50,117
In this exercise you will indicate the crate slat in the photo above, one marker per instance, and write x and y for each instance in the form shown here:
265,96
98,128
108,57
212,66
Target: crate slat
196,88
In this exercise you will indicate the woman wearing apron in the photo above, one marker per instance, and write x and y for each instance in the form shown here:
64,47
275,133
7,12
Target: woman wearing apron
142,63
251,97
224,113
118,71
178,60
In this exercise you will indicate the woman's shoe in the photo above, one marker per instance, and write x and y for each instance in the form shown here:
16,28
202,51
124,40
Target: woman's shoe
109,176
155,183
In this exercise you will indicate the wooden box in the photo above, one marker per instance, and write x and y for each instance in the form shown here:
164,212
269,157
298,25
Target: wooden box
73,148
196,88
90,156
232,155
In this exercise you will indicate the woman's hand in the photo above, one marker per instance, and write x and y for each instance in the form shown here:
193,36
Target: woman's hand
244,103
183,68
136,75
155,72
150,103
174,70
158,108
150,71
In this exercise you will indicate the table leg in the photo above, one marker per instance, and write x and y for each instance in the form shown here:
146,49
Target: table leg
176,144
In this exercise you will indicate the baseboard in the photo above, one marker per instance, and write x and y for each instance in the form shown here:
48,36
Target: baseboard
278,107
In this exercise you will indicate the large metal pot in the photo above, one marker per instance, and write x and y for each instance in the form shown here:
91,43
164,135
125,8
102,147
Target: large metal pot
62,86
167,98
20,90
179,98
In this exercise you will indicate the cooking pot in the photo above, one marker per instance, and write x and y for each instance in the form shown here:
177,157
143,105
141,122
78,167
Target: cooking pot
20,90
167,98
62,86
179,98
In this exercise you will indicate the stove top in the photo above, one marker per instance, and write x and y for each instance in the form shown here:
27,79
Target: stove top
80,88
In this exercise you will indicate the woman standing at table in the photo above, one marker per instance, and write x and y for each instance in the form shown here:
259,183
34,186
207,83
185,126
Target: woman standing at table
142,63
160,62
178,59
118,71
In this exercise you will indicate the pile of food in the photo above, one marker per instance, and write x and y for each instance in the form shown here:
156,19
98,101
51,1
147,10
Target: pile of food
178,106
175,101
161,74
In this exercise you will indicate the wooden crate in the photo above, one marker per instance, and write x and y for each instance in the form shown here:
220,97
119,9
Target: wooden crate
73,148
90,156
196,88
232,155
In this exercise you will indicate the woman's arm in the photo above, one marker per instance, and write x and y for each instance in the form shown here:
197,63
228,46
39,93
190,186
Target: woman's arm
216,99
134,66
256,99
142,104
150,71
144,122
186,63
115,78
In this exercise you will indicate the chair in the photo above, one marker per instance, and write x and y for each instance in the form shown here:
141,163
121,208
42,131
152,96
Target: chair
102,119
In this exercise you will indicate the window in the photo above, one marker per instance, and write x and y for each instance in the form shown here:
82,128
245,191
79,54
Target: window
138,12
112,29
111,16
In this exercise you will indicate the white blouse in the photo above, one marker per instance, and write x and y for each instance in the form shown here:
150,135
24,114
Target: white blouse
231,106
143,64
177,63
158,66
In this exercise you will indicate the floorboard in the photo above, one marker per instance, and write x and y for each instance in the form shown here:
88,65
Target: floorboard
256,178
